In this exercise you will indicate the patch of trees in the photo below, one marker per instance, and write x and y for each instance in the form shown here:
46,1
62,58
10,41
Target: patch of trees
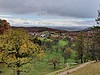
88,45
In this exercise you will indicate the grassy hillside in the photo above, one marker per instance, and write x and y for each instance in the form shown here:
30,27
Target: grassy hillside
42,67
91,69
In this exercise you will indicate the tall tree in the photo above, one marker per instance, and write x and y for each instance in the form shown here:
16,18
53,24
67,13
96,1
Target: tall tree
80,46
16,49
96,43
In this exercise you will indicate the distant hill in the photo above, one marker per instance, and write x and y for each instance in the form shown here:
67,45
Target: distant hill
92,28
70,28
39,29
53,28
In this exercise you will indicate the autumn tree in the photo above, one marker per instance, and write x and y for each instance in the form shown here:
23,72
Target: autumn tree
54,59
16,49
87,47
36,40
95,51
80,46
66,54
4,25
97,44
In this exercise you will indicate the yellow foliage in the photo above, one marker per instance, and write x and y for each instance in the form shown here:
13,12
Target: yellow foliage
22,60
1,55
41,54
23,48
11,58
17,47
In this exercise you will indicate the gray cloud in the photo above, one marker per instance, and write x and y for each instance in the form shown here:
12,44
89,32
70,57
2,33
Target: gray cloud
71,8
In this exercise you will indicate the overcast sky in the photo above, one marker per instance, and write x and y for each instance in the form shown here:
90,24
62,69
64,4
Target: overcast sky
61,8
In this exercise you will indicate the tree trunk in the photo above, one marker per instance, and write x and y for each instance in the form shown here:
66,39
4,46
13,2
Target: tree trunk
81,56
93,55
54,64
65,60
18,72
18,65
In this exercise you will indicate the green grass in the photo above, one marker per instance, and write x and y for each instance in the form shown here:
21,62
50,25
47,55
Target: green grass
42,67
45,39
62,43
38,68
58,71
6,71
72,57
62,70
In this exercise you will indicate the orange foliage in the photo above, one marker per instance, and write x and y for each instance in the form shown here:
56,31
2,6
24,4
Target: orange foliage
4,25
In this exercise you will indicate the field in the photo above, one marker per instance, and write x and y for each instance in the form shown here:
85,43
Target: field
91,69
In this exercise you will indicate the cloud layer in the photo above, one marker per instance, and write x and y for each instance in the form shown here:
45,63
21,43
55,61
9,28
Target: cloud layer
50,22
66,8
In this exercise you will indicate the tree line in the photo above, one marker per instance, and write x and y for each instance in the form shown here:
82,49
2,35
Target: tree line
88,45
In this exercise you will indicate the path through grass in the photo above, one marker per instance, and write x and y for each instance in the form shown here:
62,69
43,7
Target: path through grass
91,69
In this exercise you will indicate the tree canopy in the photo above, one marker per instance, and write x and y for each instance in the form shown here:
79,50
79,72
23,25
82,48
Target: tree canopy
16,49
4,25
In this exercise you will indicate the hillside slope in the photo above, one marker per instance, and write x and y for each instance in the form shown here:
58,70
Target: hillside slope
91,69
